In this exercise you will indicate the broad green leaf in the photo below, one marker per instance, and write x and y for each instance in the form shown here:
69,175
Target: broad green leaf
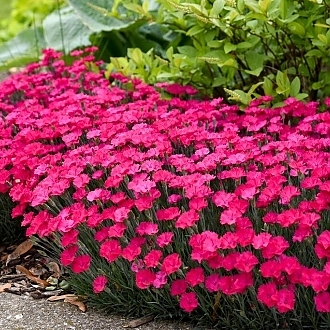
219,81
228,47
195,30
65,31
244,45
301,96
253,6
297,28
318,85
283,83
98,16
254,87
218,5
323,38
255,72
314,52
22,49
214,43
255,61
295,86
283,9
188,50
268,86
136,55
169,54
263,4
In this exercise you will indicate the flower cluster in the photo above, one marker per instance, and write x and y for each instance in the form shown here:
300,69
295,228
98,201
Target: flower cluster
191,194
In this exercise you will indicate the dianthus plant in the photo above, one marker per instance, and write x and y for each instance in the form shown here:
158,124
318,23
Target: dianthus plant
196,198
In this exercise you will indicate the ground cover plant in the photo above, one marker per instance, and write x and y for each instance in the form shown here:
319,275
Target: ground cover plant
155,202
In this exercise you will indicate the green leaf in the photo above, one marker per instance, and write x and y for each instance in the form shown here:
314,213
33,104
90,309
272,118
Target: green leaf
136,55
295,87
255,72
319,84
98,15
217,8
195,30
255,61
268,86
314,52
65,31
22,49
188,50
296,28
228,47
219,81
301,96
283,83
323,38
263,4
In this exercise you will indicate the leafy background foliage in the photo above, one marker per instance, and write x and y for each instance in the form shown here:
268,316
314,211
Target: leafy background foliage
233,49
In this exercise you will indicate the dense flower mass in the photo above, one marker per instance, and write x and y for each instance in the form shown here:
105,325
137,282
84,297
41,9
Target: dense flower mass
193,195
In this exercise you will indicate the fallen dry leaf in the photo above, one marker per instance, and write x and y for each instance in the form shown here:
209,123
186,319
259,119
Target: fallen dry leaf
62,297
20,250
32,277
4,287
4,257
55,268
74,301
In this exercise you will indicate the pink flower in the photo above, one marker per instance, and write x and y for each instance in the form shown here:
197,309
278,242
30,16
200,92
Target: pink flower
188,301
261,241
195,276
187,219
121,214
147,228
168,214
131,252
268,294
68,255
102,234
81,263
287,193
322,302
246,261
99,283
160,280
276,246
285,300
171,263
178,287
164,239
70,237
152,258
110,250
117,230
229,217
212,282
144,278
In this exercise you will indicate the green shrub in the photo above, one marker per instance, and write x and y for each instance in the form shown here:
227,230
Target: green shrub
233,49
243,48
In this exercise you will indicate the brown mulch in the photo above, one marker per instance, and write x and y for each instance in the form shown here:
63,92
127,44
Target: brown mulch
24,270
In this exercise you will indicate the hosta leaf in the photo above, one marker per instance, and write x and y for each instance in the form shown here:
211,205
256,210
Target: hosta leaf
64,30
26,46
96,14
